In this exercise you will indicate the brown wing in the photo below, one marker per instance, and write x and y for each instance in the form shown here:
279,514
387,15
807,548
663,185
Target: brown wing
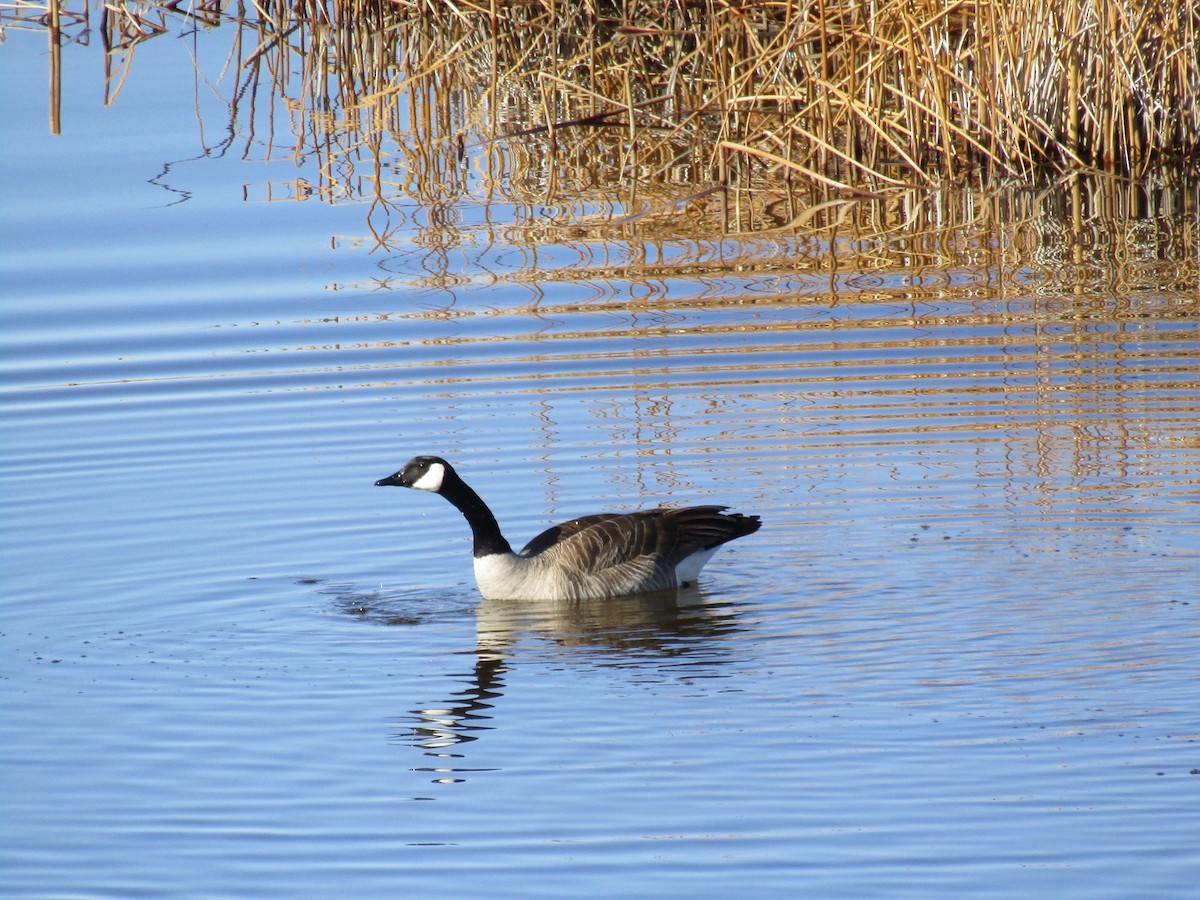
558,533
654,538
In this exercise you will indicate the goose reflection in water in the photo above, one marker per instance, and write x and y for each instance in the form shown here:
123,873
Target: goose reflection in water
457,719
676,632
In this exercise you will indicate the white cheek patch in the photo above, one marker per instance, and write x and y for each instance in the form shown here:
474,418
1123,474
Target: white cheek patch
431,480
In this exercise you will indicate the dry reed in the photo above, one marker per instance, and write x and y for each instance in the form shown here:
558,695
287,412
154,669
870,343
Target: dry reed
733,115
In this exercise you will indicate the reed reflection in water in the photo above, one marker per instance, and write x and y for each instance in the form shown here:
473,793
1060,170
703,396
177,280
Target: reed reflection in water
1075,400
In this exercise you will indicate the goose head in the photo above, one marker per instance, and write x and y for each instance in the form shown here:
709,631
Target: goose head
423,473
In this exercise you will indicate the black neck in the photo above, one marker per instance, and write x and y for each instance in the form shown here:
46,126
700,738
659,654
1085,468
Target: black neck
484,528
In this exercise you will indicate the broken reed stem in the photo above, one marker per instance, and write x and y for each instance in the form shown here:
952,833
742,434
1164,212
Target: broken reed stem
55,30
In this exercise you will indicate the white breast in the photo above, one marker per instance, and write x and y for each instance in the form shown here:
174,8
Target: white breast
506,576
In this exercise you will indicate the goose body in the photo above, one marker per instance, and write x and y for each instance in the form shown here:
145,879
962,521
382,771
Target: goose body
604,555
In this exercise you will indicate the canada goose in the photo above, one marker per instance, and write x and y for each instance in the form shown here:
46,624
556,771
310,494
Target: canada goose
605,555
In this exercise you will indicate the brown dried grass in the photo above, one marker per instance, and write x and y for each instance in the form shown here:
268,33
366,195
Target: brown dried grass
774,115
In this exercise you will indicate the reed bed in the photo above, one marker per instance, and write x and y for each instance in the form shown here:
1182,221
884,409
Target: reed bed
694,116
851,95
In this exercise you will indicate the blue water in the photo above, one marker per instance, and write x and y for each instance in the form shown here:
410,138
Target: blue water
959,658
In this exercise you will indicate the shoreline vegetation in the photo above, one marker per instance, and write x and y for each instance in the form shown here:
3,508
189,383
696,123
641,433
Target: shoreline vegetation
698,117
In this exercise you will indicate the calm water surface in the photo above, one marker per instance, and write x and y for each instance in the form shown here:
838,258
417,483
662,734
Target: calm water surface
959,659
